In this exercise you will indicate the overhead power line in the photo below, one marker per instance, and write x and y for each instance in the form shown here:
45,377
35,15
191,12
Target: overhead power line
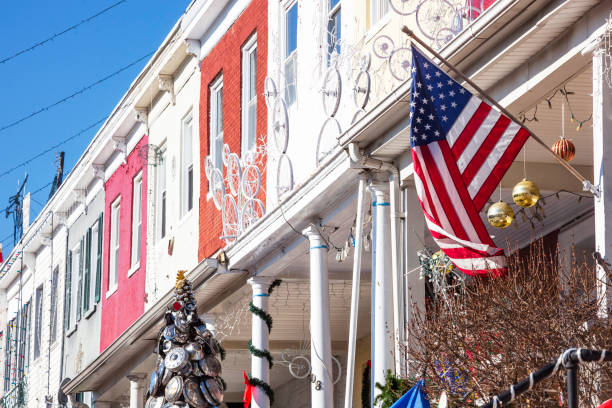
4,173
56,35
82,90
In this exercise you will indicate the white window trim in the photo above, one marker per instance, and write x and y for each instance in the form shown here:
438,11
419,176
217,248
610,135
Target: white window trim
247,50
134,266
284,43
184,212
375,27
76,254
214,88
112,288
93,265
163,151
330,13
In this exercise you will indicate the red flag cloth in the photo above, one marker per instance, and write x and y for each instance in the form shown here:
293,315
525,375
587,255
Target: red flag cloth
1,259
607,404
248,391
461,149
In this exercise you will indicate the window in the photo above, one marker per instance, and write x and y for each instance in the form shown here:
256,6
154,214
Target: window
54,290
333,29
93,266
291,23
87,271
100,242
38,322
68,291
79,267
161,193
136,221
187,163
113,270
378,9
249,96
216,123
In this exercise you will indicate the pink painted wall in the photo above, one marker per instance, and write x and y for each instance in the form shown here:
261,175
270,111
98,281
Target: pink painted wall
121,308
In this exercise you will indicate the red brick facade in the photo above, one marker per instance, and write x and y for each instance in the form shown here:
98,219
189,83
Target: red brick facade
226,59
124,306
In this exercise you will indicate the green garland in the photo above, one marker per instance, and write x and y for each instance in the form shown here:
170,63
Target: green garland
256,382
263,315
261,353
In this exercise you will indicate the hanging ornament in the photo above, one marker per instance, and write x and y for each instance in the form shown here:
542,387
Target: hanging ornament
500,214
525,193
564,148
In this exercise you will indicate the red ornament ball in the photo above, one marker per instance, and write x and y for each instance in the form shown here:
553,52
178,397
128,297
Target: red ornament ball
565,149
177,306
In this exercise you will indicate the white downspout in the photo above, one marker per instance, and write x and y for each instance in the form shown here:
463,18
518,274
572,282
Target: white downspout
350,361
359,158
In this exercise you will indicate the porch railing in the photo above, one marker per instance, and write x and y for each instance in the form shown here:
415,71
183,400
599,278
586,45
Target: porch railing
16,397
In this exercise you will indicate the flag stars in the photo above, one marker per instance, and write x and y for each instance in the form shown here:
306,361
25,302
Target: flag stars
449,82
451,93
415,94
424,137
462,91
443,107
437,133
438,74
453,104
431,117
424,101
427,126
426,65
412,104
422,111
441,96
429,88
427,76
440,85
444,118
419,85
418,119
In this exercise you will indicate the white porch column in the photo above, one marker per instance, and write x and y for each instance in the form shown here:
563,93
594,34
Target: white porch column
382,282
260,340
322,385
602,167
414,289
137,390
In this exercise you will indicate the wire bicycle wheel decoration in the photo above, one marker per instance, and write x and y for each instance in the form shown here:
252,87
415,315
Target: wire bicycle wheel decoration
236,195
280,137
331,129
362,86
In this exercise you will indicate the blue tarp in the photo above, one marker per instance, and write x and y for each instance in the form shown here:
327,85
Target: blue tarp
414,398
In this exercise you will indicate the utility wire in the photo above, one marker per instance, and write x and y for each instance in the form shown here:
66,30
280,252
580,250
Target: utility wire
56,35
4,173
82,90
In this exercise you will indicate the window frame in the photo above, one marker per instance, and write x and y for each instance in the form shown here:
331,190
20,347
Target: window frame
161,213
93,250
377,14
113,266
215,87
248,141
38,317
136,224
290,57
333,11
187,171
53,306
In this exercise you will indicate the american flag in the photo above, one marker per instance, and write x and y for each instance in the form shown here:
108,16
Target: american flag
461,148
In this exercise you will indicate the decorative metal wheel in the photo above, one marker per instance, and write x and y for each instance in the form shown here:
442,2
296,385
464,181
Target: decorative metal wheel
361,89
280,125
443,37
383,46
299,367
284,176
328,138
252,210
270,92
225,154
434,15
332,90
234,173
400,63
217,187
404,7
230,218
358,115
337,373
250,183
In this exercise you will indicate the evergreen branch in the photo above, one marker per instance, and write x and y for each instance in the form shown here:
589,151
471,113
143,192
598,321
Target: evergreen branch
261,353
261,314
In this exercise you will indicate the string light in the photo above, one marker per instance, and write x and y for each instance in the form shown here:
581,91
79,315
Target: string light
565,93
56,35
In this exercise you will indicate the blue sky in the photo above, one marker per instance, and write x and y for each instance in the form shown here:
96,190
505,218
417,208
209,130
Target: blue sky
59,68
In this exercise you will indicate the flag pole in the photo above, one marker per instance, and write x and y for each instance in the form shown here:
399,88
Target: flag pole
586,184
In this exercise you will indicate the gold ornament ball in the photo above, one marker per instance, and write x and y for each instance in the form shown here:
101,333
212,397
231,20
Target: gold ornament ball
525,194
500,214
